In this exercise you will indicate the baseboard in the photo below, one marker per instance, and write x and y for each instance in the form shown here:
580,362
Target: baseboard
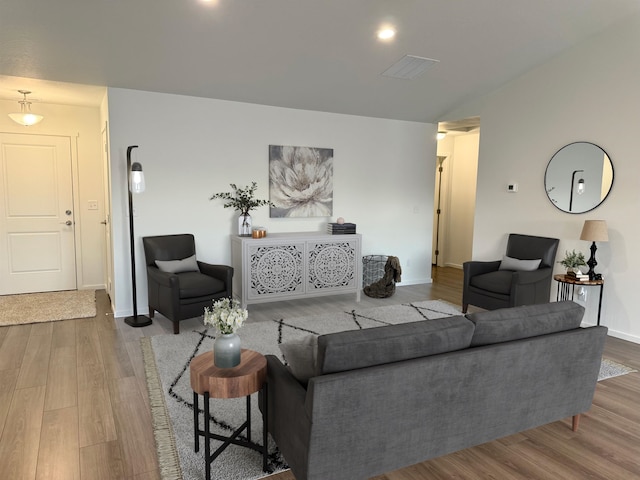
416,281
624,336
92,287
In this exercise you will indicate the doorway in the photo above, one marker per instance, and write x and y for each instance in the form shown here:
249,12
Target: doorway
455,192
37,219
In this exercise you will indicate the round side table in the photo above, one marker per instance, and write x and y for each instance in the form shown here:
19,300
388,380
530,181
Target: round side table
241,381
567,288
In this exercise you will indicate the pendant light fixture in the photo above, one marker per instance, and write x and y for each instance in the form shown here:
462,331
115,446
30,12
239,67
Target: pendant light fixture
25,116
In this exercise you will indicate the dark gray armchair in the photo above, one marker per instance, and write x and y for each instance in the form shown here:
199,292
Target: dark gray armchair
489,287
179,286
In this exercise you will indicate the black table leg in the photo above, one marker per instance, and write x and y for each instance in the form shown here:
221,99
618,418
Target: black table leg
196,434
233,438
249,418
600,302
265,425
207,437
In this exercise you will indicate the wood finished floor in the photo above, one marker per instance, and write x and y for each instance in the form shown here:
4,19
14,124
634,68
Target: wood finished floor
74,404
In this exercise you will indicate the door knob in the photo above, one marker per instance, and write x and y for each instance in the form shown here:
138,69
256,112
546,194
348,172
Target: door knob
68,222
104,222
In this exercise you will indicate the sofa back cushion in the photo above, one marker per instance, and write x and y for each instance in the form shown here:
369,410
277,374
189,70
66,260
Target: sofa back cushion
342,351
507,324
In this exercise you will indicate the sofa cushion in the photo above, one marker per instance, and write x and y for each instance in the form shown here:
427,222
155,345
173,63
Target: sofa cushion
338,352
301,355
188,264
507,324
510,263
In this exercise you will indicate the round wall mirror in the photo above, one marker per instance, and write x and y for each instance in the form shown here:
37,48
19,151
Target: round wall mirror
578,177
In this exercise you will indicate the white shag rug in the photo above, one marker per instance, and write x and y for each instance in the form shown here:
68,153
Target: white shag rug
47,307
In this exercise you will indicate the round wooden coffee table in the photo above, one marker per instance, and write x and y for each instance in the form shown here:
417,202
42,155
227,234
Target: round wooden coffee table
241,381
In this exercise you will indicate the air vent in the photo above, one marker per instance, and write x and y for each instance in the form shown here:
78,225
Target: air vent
409,67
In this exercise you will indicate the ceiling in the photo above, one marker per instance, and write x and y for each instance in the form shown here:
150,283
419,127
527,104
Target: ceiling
318,55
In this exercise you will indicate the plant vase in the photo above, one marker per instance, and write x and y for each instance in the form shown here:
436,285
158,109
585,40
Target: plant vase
244,225
226,350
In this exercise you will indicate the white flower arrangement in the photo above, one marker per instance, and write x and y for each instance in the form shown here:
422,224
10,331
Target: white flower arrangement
226,315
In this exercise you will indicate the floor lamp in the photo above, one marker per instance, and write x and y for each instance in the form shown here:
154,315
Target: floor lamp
441,159
135,184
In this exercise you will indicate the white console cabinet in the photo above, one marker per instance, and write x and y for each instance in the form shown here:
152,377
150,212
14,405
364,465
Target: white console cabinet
285,266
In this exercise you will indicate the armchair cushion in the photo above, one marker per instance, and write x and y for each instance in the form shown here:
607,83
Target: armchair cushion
195,284
510,263
188,264
497,282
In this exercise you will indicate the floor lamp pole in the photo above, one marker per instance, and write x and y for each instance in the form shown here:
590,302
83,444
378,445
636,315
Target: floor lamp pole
135,320
441,160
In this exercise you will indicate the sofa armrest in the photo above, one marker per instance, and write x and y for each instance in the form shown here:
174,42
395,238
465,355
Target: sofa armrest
288,421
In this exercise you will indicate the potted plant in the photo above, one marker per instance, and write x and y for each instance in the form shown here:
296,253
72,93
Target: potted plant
572,261
242,199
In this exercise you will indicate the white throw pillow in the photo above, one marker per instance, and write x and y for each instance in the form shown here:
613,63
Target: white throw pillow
188,264
510,263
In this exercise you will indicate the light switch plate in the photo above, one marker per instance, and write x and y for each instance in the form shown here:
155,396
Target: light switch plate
93,205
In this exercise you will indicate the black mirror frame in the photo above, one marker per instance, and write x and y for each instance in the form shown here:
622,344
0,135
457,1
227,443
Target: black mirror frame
602,200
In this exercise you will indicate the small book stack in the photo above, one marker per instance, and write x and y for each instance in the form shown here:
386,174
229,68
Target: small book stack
579,276
341,228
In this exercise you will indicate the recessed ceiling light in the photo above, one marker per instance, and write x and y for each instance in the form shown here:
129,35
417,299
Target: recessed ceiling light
386,33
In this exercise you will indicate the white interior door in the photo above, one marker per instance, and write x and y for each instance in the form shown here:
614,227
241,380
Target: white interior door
36,214
108,259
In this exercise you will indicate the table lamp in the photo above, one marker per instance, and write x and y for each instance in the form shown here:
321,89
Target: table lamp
594,231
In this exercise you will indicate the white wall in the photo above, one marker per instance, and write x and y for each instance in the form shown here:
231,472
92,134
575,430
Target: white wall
589,93
192,147
82,125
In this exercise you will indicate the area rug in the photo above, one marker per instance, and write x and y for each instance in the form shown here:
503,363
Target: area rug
610,369
46,307
167,360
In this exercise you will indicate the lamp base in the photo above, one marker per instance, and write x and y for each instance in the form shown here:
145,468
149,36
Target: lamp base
138,321
592,262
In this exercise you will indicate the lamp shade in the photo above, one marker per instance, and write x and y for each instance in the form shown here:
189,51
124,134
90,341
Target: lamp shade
25,117
595,231
136,180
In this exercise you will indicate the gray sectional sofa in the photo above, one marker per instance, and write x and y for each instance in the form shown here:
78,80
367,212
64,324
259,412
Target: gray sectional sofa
383,398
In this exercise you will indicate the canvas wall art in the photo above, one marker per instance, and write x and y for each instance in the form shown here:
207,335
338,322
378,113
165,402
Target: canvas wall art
300,181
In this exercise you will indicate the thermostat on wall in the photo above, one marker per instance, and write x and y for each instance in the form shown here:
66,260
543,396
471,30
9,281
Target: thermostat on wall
512,187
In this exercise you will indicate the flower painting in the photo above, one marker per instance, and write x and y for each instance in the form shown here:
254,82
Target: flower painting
300,181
